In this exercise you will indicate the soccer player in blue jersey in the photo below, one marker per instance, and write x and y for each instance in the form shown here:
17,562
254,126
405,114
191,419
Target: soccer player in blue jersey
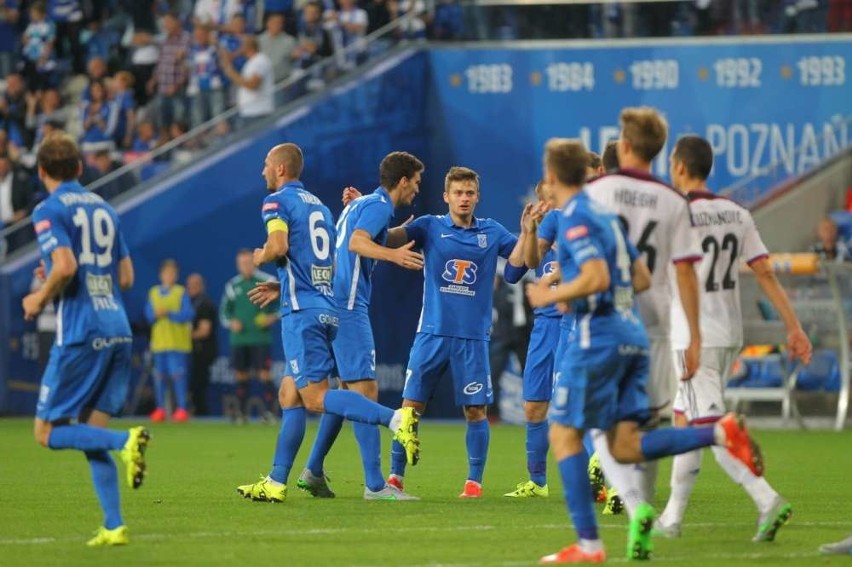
544,341
362,239
86,263
300,235
460,263
600,380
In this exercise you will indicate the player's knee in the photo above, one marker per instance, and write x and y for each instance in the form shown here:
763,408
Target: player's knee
313,403
624,451
475,413
535,412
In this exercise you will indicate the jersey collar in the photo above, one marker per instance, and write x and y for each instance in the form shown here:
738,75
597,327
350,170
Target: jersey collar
292,185
383,193
448,221
67,186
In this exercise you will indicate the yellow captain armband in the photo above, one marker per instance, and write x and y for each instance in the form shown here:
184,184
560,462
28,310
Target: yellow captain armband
275,225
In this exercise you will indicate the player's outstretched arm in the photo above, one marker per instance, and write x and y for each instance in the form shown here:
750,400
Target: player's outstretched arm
362,243
641,276
126,274
798,342
593,278
397,236
349,195
687,284
63,270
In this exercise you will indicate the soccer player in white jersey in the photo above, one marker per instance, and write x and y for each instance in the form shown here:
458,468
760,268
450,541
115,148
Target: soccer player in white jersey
658,222
728,235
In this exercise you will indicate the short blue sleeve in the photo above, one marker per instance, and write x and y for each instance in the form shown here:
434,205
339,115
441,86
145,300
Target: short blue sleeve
506,241
123,250
273,209
417,229
549,226
50,230
579,240
513,274
632,252
373,218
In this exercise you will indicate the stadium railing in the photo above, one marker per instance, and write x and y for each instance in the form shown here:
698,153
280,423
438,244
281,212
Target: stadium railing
226,128
821,294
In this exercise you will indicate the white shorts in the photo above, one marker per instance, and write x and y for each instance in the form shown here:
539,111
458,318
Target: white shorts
702,399
662,380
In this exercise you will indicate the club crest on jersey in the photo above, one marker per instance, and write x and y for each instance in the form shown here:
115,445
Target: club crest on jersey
576,232
483,240
549,268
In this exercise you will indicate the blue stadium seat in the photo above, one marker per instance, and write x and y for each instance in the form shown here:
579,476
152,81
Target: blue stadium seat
822,374
773,373
844,224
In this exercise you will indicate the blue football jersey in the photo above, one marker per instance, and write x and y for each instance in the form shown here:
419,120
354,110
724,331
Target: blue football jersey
352,273
459,274
90,306
306,272
547,230
587,232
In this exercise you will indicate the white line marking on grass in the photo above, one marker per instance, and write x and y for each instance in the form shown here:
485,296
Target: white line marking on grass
435,529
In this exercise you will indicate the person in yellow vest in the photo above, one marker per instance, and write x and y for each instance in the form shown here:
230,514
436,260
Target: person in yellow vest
169,310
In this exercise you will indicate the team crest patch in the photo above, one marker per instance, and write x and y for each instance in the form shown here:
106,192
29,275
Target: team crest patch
483,240
577,232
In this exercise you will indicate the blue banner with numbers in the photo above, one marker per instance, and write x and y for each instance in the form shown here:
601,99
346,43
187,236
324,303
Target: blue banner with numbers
759,103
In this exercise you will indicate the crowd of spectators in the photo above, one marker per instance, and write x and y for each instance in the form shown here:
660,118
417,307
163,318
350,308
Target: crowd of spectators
128,76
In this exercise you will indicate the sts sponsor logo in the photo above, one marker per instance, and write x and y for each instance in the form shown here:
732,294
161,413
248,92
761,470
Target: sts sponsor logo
460,274
473,388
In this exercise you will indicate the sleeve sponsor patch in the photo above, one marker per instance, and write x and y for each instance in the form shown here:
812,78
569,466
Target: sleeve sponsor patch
41,226
576,232
269,207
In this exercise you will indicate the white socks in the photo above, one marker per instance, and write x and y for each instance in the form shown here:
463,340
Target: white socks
756,486
625,478
685,469
396,420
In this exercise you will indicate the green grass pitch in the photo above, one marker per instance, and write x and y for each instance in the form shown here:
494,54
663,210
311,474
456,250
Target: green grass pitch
188,512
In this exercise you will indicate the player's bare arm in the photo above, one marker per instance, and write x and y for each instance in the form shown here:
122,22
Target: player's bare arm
265,293
798,343
641,276
362,243
277,245
687,283
63,270
126,274
593,278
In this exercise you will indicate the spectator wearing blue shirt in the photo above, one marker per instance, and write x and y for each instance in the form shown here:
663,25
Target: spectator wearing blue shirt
99,119
205,77
125,107
38,42
10,35
68,17
447,23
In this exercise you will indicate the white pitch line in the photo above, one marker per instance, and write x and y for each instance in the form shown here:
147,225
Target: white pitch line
332,531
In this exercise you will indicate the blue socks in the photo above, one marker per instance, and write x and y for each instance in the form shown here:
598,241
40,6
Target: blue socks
674,441
370,443
575,483
160,390
105,479
398,459
329,428
289,440
355,407
478,435
537,445
86,438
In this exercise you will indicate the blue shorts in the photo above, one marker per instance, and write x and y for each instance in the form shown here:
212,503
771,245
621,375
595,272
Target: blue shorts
170,363
92,375
307,336
600,385
354,349
467,360
566,324
538,372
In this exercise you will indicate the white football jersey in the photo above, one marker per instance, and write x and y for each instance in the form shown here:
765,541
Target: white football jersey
727,234
657,220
